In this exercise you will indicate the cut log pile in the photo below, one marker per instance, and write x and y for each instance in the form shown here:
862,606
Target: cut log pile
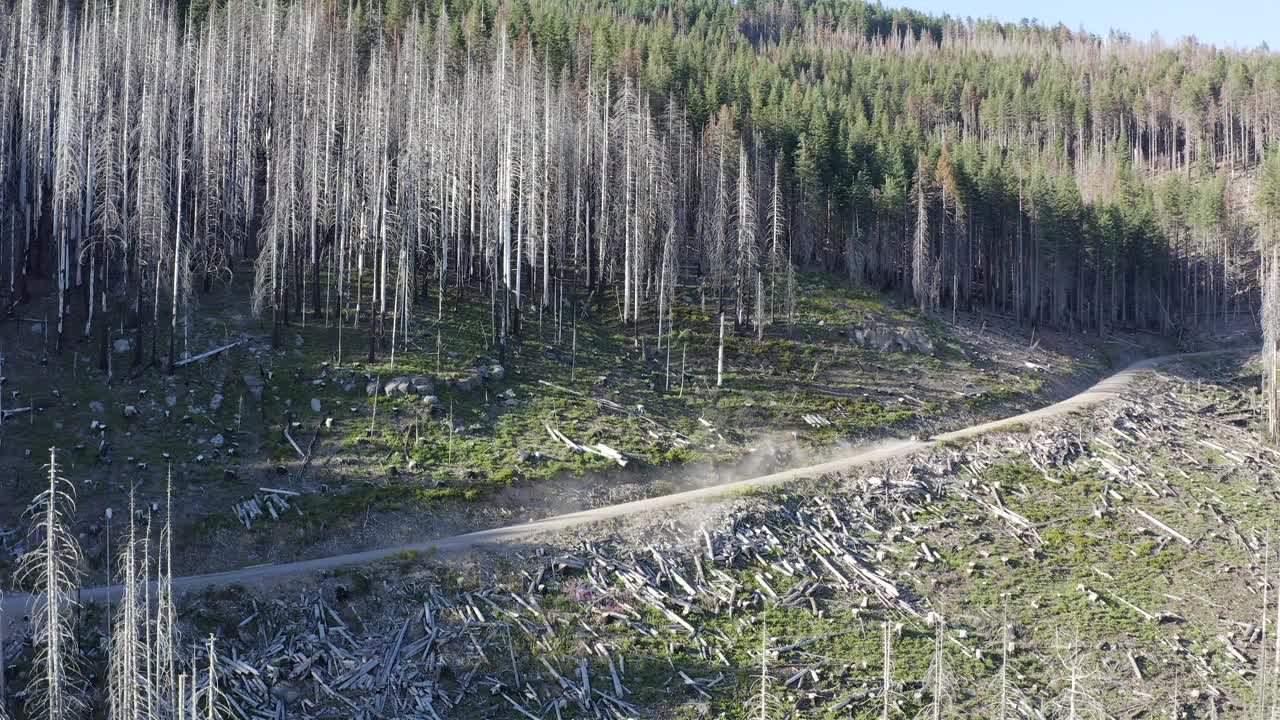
266,502
597,449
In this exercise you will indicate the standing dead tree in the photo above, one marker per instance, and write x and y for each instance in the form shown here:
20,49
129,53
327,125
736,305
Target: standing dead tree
1269,250
52,571
939,680
1005,699
1078,698
129,692
4,691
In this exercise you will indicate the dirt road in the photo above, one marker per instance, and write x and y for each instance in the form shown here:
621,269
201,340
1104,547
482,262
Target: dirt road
15,606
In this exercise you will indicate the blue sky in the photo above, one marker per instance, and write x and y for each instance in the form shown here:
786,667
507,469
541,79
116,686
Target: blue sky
1242,23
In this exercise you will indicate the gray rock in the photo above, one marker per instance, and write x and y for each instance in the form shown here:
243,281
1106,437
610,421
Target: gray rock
882,338
468,383
421,385
130,411
171,400
97,407
349,388
297,341
215,402
254,384
315,405
396,387
217,441
371,388
123,345
497,373
916,339
878,338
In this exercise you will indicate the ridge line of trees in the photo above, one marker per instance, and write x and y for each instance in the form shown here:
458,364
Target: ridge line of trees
356,162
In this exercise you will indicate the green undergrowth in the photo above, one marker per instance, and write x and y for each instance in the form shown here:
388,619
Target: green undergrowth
584,373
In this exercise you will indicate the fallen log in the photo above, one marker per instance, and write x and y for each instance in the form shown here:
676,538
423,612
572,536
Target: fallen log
1163,527
6,414
207,354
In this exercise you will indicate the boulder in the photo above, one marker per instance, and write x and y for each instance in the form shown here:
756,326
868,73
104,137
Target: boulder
215,402
254,384
315,405
882,338
421,385
468,383
217,441
396,387
123,345
876,337
371,388
916,339
130,411
97,407
497,373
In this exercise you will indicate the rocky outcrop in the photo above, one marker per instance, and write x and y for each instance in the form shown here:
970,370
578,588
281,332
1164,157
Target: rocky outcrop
478,376
883,338
407,385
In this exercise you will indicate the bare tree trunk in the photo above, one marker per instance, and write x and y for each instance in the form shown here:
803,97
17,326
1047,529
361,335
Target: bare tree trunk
720,355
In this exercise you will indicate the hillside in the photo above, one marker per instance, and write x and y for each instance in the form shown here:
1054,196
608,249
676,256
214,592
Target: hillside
1120,556
394,466
294,281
